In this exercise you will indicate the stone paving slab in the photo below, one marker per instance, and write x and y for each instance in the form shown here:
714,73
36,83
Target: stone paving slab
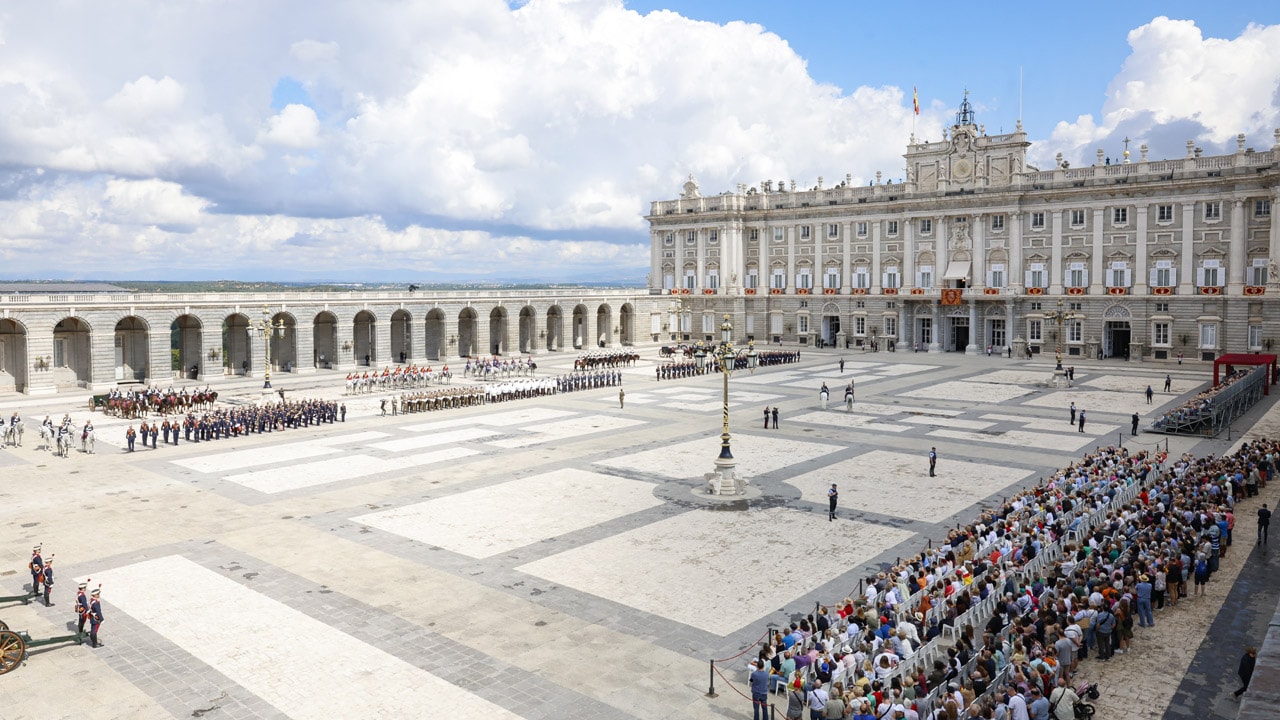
756,455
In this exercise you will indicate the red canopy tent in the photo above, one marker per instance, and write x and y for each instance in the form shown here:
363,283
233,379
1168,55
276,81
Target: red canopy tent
1233,359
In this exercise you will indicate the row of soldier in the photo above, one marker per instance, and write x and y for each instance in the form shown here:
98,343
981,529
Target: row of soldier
88,606
445,399
588,380
401,378
606,359
234,422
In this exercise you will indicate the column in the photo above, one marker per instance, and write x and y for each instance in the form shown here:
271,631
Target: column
875,257
1140,270
1009,333
159,354
1055,255
655,259
1187,273
1235,251
941,250
304,337
345,338
972,347
1016,271
935,346
846,258
908,253
1097,282
39,344
699,282
979,236
382,340
736,251
1273,248
791,258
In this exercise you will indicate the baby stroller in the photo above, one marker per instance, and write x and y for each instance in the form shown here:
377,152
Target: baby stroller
1083,708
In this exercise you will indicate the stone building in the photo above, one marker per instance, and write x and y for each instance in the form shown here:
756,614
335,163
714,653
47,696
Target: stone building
973,248
92,337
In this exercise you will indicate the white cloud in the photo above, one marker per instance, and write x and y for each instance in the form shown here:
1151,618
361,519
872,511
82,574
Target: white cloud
296,126
150,202
1178,85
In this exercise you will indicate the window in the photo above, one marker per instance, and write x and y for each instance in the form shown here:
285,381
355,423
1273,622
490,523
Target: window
775,323
778,280
1164,275
891,325
1120,216
1075,331
804,279
1162,307
1208,336
1213,210
1036,276
668,281
753,234
1075,306
891,228
831,280
891,278
670,239
713,279
861,278
1255,337
1262,208
805,231
691,237
690,279
1210,274
1037,306
802,322
1258,271
1164,213
708,323
1077,276
753,279
924,276
1120,275
862,229
1037,221
1035,330
995,276
1160,333
713,236
926,331
779,234
997,223
1077,218
926,226
833,230
859,325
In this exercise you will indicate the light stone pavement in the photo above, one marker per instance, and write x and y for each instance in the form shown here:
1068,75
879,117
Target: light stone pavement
546,558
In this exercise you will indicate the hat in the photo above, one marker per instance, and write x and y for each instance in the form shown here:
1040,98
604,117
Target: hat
953,686
1144,578
846,650
36,548
82,586
96,592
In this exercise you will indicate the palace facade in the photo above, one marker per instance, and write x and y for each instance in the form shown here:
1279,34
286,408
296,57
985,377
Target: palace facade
81,337
1146,259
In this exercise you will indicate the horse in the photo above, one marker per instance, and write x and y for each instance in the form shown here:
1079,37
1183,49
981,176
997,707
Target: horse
64,443
88,439
46,437
13,434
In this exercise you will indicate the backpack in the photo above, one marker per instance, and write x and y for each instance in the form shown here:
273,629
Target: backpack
1202,567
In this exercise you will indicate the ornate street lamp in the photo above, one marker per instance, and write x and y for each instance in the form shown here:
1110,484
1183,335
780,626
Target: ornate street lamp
723,480
1059,317
266,327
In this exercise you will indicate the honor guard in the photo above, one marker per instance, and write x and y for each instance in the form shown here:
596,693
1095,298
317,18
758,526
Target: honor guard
48,581
36,566
95,617
82,608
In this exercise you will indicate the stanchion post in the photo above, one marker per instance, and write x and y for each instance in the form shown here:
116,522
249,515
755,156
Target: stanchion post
711,691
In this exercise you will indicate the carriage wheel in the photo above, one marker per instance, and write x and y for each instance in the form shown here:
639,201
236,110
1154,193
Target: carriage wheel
12,650
3,626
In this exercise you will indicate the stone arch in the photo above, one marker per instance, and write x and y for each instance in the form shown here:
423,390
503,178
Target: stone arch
528,329
324,334
434,334
555,328
498,331
186,345
627,324
580,326
467,325
132,349
402,336
237,344
1116,311
13,357
365,338
604,325
284,342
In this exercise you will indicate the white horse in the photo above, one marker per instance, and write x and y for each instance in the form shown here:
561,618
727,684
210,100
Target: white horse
64,441
13,434
47,435
88,440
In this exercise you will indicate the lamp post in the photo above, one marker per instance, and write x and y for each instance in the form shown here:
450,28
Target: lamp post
677,310
1059,317
266,327
726,355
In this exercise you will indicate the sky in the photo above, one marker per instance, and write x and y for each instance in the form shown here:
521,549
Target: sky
506,141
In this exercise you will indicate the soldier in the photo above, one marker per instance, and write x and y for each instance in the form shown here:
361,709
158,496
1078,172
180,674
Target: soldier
48,580
155,433
130,435
82,608
144,431
95,617
36,566
165,430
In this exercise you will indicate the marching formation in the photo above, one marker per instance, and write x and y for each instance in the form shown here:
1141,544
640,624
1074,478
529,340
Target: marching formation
138,403
465,396
497,367
588,381
401,378
611,359
227,423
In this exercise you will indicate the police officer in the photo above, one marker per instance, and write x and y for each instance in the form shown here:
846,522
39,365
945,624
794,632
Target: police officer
95,617
48,581
82,608
36,566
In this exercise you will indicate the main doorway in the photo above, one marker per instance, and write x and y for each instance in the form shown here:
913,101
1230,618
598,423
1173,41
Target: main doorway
1115,339
959,334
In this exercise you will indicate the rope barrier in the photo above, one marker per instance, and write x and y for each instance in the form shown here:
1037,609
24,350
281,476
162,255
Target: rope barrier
747,649
735,689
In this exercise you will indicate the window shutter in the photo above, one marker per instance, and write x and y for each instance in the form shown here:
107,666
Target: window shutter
1173,276
1128,278
1153,279
1084,282
1199,277
1027,278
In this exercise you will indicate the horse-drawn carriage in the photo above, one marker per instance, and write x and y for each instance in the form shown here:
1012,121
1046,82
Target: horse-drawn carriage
670,351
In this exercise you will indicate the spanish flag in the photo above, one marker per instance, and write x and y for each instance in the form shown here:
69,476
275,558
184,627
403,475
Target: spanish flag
915,99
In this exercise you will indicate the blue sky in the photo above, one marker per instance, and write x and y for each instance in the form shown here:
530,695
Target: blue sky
490,141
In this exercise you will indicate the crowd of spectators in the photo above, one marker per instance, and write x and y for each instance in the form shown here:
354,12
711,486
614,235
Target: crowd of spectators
1198,409
995,621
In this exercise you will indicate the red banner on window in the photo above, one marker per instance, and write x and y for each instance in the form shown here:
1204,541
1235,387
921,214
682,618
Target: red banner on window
952,296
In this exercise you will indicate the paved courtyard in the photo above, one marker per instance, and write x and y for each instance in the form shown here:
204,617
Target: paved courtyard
544,558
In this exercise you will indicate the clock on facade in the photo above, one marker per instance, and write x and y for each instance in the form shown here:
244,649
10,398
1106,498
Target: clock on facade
962,167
